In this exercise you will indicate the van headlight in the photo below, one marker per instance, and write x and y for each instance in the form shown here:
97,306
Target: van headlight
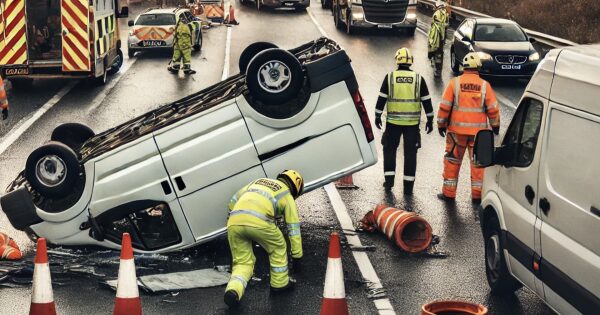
535,56
484,56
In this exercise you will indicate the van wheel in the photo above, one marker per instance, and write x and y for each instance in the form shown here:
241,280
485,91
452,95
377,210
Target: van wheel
251,51
72,134
274,76
52,170
117,63
498,276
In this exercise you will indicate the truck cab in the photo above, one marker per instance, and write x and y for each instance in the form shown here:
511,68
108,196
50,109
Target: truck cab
382,14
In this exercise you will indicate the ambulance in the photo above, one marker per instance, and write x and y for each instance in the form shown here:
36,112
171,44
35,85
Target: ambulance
59,39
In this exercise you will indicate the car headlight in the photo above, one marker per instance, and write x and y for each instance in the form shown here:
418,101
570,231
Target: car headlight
411,2
535,56
484,56
411,16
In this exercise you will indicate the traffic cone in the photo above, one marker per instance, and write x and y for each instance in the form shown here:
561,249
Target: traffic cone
334,293
127,301
42,299
346,182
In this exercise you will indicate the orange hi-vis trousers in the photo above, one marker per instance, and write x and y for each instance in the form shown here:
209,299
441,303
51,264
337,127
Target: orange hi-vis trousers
455,149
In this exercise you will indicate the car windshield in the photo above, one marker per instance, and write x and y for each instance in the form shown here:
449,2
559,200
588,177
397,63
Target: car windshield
499,33
156,19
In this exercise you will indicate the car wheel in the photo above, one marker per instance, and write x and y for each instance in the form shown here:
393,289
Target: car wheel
326,4
349,28
453,64
336,17
498,276
131,52
117,63
274,76
72,134
198,45
52,170
251,51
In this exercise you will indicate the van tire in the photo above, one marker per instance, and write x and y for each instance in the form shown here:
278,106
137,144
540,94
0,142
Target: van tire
72,134
500,280
288,70
251,51
60,155
19,209
117,63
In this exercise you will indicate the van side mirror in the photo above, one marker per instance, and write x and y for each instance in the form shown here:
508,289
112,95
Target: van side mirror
483,149
130,23
124,12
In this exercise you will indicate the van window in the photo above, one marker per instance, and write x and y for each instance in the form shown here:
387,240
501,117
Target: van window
522,135
572,167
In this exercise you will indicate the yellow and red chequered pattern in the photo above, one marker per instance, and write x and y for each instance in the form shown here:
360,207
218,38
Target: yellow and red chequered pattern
13,28
153,33
75,45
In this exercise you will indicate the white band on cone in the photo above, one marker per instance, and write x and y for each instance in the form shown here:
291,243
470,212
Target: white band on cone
127,282
334,280
42,285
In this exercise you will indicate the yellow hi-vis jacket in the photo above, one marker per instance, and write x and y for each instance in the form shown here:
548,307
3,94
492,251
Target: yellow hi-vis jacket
404,101
258,203
437,32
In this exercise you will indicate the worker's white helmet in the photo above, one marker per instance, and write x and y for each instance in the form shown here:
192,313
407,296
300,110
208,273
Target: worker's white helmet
440,4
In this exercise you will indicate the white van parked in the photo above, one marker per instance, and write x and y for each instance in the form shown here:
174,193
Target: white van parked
540,211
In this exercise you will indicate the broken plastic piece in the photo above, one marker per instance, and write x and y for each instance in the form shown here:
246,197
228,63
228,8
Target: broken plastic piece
202,278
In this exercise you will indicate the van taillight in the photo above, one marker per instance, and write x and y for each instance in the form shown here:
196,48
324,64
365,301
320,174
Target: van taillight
362,113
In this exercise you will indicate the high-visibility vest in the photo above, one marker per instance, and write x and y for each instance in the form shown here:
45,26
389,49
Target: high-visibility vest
404,101
440,19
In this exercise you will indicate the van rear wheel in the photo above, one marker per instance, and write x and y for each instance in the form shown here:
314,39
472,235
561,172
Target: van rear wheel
274,76
251,51
52,170
499,278
72,134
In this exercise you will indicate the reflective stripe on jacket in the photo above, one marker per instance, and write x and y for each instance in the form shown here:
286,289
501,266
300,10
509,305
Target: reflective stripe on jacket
183,36
3,98
437,32
404,101
260,202
467,104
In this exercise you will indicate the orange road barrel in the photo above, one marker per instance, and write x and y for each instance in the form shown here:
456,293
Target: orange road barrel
454,308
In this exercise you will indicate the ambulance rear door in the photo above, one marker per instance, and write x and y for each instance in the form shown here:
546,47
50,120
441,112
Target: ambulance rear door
13,35
75,35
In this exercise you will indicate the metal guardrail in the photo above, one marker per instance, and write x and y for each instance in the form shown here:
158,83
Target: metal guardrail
546,39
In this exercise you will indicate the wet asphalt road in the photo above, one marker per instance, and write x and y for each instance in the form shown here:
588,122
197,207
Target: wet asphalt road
410,280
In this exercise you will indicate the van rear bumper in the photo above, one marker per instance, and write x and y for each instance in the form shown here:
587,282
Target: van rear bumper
40,71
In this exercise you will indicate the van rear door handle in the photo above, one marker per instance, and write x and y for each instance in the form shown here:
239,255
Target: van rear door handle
180,183
529,194
545,206
595,210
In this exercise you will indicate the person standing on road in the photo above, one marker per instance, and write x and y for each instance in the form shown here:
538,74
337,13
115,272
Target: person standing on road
3,101
182,47
437,36
467,104
252,214
402,93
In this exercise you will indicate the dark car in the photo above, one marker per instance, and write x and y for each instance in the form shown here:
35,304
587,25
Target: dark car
502,45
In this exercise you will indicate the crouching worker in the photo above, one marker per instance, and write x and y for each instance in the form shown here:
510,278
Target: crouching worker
252,213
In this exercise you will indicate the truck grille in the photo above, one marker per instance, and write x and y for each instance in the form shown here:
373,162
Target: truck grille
510,59
385,11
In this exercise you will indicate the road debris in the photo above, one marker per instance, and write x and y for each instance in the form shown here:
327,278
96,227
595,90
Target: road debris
203,278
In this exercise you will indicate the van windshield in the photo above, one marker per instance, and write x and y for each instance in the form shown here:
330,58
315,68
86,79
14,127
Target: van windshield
156,19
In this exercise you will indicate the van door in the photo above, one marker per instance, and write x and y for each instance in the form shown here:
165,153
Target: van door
570,203
518,188
13,33
209,157
75,35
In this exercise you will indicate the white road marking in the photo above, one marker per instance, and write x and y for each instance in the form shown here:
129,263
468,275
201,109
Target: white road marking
505,100
227,55
312,17
21,128
109,86
383,305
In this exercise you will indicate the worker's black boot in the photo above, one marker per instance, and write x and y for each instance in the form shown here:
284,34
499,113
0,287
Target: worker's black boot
444,198
289,287
389,182
231,299
408,187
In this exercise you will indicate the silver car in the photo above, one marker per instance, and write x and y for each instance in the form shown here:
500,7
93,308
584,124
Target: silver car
166,177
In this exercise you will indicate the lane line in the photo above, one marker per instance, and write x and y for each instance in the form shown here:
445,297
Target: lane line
312,17
20,129
108,87
383,305
227,55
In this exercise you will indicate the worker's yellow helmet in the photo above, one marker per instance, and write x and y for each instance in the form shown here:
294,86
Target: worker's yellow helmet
471,61
404,57
293,180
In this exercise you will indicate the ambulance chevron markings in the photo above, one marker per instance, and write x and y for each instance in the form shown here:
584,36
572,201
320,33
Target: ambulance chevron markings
75,46
105,34
13,41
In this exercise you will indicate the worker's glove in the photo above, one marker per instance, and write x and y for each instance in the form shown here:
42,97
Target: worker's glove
442,131
496,130
429,126
4,113
297,265
378,122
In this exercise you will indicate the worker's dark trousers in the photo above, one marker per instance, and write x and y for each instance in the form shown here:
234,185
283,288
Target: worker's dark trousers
391,141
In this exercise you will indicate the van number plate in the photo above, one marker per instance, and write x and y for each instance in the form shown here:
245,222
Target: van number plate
511,67
153,43
384,25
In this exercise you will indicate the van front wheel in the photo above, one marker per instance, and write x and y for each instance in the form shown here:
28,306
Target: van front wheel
498,276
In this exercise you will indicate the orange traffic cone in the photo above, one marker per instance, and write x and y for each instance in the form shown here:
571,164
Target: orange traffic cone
42,299
346,182
231,17
9,250
334,293
127,301
6,240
